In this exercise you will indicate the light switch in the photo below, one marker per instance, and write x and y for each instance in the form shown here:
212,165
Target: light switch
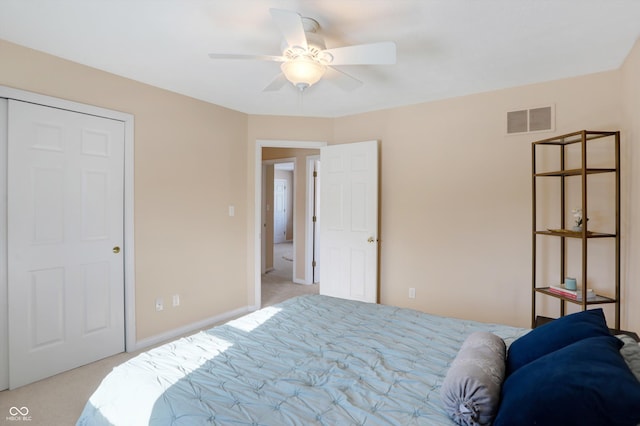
232,211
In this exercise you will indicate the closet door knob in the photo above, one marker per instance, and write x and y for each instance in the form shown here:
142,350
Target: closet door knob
116,249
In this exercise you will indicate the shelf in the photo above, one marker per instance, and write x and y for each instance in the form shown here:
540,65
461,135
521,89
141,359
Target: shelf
542,320
576,172
575,137
572,188
574,234
595,301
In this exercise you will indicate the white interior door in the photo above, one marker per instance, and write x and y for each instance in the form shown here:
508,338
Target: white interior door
349,225
279,211
65,221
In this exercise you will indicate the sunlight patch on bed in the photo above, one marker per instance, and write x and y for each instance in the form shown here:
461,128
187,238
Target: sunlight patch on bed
141,399
255,320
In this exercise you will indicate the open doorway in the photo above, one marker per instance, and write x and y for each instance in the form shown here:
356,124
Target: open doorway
283,194
285,233
278,206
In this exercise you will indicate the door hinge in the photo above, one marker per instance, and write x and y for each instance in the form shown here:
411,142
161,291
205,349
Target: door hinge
315,174
313,263
313,219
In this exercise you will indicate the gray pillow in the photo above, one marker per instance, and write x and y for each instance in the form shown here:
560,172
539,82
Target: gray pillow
470,391
630,351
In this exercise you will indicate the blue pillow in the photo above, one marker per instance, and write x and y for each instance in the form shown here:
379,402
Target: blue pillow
586,383
555,335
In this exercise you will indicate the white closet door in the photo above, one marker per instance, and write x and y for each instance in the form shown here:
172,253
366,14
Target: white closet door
65,222
349,224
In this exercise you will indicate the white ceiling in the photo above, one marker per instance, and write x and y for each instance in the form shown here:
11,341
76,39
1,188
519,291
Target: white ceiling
445,48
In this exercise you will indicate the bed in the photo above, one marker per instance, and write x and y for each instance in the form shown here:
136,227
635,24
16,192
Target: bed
311,360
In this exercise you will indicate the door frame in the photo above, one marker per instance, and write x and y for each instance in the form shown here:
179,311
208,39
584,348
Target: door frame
257,199
263,211
311,200
4,284
128,238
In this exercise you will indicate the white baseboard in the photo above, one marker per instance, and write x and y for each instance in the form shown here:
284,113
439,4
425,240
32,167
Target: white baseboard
199,325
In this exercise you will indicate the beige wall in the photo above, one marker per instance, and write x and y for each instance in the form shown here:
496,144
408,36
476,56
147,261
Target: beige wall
455,191
190,165
631,185
456,194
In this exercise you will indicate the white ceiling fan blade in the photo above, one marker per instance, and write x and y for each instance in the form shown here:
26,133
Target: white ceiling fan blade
382,53
342,79
290,25
276,84
255,57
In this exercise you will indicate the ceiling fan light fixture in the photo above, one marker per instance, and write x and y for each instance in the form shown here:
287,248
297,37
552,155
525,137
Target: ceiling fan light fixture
303,72
305,58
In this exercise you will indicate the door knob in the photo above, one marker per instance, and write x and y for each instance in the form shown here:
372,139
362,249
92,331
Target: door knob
371,240
116,249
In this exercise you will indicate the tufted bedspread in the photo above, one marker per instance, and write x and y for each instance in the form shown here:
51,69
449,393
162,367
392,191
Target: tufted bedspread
311,360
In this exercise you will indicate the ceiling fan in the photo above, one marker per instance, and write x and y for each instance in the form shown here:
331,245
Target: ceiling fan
305,58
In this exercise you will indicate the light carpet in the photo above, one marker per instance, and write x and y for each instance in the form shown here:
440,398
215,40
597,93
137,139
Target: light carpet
59,400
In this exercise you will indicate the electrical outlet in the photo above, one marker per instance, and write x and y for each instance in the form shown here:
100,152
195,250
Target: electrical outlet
176,300
159,304
412,293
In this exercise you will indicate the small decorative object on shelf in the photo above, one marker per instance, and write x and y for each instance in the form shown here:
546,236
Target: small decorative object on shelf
577,215
572,173
570,283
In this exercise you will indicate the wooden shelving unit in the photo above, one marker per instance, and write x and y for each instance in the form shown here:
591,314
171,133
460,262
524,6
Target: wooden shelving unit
582,173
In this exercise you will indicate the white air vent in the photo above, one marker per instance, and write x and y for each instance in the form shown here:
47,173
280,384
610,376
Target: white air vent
540,119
